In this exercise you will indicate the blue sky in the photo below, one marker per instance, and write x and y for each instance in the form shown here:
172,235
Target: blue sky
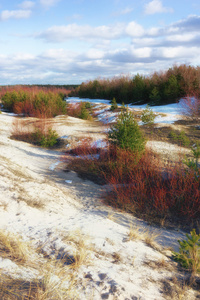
71,41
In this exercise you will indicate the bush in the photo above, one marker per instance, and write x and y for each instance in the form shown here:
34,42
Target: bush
193,163
141,184
113,104
148,116
79,110
88,105
84,113
180,137
46,140
189,252
126,133
36,132
191,106
41,104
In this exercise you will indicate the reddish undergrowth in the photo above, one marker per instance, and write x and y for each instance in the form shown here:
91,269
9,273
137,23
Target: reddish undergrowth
143,185
34,131
79,110
37,102
84,147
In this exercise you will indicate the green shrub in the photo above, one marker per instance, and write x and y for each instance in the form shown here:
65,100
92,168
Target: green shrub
113,104
193,163
180,137
185,141
148,116
173,135
126,133
196,153
47,140
84,113
87,105
189,252
42,104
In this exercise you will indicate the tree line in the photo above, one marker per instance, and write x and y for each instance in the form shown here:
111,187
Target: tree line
159,88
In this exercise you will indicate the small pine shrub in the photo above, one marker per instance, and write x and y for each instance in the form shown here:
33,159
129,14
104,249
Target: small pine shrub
173,135
38,132
47,140
180,138
193,163
113,104
87,105
84,113
196,153
126,133
189,252
79,110
148,116
185,141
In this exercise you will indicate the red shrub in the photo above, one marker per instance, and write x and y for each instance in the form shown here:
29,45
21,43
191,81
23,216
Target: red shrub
143,184
83,147
142,187
191,106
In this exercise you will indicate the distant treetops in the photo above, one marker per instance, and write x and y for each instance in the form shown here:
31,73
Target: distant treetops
159,88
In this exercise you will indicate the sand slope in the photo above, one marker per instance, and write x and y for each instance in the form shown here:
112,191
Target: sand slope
47,206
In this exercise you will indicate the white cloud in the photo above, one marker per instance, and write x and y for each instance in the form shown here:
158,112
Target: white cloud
103,51
124,11
48,3
27,5
187,37
14,14
134,29
57,65
85,32
180,52
71,31
95,54
156,6
142,52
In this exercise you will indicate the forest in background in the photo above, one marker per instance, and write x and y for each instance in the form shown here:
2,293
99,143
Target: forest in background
159,88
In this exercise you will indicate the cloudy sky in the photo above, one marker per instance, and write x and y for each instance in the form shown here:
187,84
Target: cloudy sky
71,41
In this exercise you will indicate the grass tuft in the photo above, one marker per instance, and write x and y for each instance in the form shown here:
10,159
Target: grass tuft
14,248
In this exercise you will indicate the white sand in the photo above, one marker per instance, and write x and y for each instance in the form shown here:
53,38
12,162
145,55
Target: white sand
31,176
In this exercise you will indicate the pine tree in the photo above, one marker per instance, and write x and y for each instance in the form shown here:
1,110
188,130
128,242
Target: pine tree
126,133
113,104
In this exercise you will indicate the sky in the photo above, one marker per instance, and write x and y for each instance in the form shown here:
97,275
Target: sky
73,41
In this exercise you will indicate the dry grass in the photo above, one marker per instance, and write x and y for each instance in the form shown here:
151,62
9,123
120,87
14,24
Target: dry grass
116,257
35,131
143,234
31,202
112,217
4,205
15,289
177,289
14,248
25,197
58,282
54,283
160,264
82,248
